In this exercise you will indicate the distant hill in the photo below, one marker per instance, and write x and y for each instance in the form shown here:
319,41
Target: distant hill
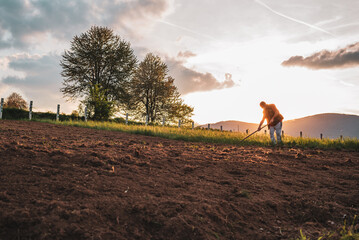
331,125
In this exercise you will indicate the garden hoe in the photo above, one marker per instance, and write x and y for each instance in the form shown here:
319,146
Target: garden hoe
252,133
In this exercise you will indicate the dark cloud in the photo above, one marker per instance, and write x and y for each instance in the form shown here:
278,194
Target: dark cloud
188,80
20,19
37,70
40,79
342,58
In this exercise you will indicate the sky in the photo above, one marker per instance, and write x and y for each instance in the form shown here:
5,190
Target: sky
226,55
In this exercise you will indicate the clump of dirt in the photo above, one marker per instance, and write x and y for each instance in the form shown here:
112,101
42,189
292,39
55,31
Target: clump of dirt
74,183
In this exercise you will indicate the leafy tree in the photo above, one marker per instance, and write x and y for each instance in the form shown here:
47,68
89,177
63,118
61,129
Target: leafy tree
154,94
98,107
98,68
15,100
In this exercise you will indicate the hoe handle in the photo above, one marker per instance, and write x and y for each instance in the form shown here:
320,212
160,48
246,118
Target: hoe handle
253,133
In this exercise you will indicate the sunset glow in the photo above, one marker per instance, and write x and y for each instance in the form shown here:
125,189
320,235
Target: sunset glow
201,42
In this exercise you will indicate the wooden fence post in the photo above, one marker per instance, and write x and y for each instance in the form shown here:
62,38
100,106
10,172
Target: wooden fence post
301,134
58,112
321,136
209,126
30,111
341,137
221,128
126,118
179,123
85,114
163,121
282,133
192,125
146,120
247,131
1,107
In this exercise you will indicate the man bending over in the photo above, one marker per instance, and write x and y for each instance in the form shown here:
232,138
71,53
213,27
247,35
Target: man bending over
274,120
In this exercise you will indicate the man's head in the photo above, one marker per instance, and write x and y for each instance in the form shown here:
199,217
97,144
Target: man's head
263,104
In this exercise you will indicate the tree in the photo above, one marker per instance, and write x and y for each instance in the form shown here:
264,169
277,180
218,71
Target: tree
154,94
98,67
15,100
98,106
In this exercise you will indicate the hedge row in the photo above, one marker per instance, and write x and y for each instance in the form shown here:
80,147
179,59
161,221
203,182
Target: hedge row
18,114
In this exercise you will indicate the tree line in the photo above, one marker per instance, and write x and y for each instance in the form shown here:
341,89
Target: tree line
102,71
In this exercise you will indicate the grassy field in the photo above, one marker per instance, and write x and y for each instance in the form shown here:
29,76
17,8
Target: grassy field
215,136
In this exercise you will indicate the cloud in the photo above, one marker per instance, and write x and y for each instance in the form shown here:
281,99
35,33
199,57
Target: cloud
38,70
343,58
135,16
188,80
37,78
186,54
21,20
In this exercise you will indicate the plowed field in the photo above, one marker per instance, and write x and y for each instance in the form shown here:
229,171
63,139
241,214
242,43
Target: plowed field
61,182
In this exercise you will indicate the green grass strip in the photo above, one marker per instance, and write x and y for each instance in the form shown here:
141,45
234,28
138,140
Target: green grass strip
214,136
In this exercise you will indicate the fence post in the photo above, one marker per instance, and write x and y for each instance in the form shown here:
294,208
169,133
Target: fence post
321,136
247,131
58,112
192,125
221,128
179,123
341,137
301,134
85,114
146,120
282,134
163,121
1,107
30,111
209,126
126,118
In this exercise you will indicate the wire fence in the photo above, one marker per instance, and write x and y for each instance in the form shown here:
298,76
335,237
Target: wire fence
85,118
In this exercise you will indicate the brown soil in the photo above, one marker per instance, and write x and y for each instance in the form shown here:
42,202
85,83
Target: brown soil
61,182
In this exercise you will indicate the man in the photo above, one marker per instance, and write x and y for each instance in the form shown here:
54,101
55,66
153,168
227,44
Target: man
274,120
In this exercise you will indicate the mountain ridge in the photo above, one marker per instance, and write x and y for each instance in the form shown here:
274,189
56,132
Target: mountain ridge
331,125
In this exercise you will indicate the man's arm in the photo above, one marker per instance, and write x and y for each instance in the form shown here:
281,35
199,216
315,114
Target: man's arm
260,124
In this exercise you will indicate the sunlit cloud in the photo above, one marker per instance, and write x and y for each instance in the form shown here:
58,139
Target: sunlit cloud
342,58
186,54
188,80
